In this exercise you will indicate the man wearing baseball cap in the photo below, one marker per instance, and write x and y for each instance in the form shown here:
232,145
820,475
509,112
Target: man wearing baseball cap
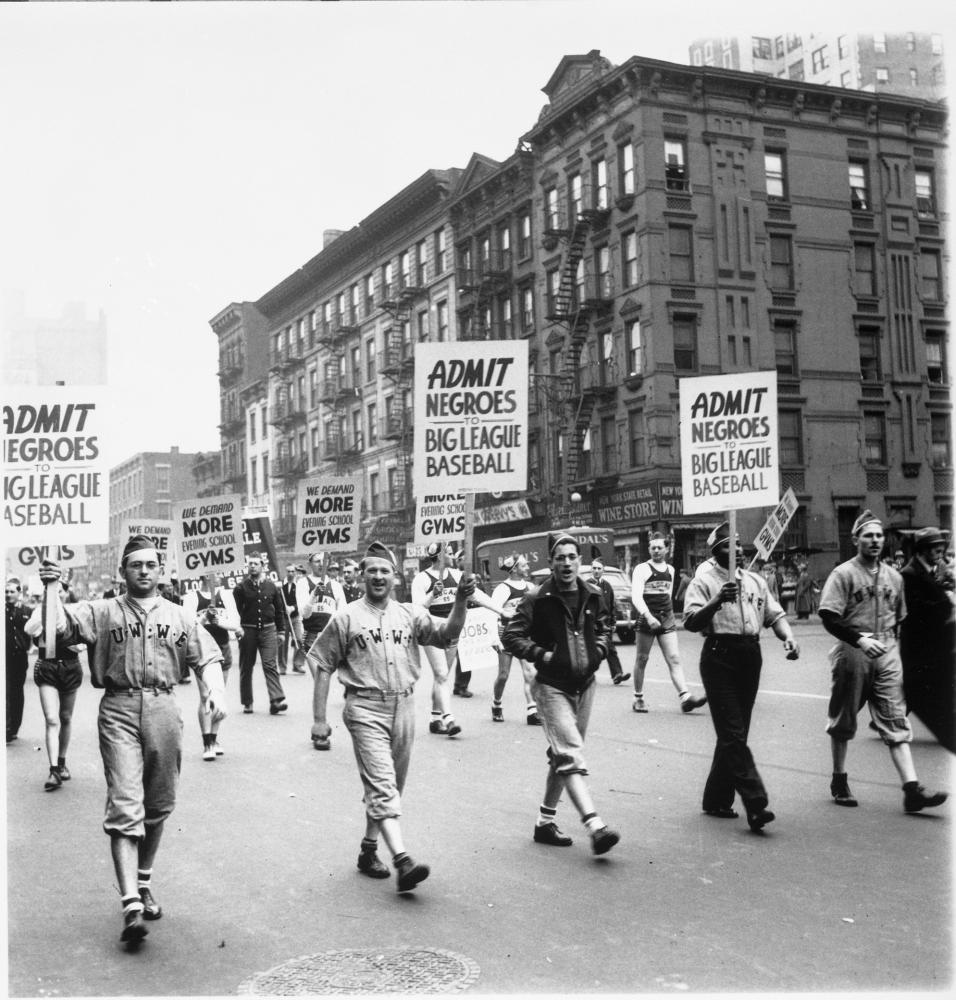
138,646
375,645
730,607
862,605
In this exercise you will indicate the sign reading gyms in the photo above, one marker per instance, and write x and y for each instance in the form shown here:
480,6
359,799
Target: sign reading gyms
471,417
55,479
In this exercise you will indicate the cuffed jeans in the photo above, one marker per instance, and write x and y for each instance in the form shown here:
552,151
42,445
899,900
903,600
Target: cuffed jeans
261,641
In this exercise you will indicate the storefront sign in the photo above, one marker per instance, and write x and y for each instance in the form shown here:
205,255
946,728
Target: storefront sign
503,513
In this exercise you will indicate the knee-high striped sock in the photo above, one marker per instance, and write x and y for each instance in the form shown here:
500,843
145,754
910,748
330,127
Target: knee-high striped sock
143,877
131,904
592,822
546,815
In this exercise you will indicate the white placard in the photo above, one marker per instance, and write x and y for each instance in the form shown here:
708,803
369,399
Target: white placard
330,511
776,525
471,417
55,479
440,518
476,642
160,533
208,535
728,438
26,559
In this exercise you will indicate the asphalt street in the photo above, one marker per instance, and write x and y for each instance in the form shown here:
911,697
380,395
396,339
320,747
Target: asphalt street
257,865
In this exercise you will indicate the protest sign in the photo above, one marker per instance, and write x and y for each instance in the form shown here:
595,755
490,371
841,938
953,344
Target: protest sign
728,437
160,533
257,540
55,479
330,509
471,417
440,517
477,640
208,536
777,522
22,561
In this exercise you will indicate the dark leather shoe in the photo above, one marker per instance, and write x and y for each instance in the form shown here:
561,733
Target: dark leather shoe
621,678
723,813
548,833
134,930
53,782
463,693
438,727
370,864
689,704
325,744
603,840
919,798
151,909
277,706
533,719
759,818
840,790
410,874
453,728
64,772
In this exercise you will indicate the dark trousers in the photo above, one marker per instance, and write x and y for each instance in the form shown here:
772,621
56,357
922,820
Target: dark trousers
16,678
261,641
462,677
613,660
730,672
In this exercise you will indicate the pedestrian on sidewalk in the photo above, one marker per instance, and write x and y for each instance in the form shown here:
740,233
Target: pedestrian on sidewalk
262,617
563,629
607,591
730,608
137,646
214,607
17,654
652,585
375,647
509,594
862,606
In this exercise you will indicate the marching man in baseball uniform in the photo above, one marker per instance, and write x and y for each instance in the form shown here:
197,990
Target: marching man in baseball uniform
375,644
862,605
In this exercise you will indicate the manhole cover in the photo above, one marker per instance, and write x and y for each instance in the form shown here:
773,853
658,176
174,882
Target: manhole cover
385,970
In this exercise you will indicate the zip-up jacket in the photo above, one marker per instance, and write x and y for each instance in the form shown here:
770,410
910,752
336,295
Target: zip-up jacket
543,624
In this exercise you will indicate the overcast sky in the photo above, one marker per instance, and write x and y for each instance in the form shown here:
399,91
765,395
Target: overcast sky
163,160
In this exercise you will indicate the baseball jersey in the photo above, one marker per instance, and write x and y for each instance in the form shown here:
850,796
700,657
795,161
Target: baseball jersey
866,601
132,648
374,648
444,588
508,596
326,598
754,609
654,586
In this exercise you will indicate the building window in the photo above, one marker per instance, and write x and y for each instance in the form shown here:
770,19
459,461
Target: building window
775,170
785,347
553,282
441,252
941,455
608,446
871,369
925,202
680,246
373,496
762,48
675,165
781,262
252,427
441,316
369,294
552,218
252,476
421,263
795,70
882,74
372,421
599,184
527,309
685,343
314,435
575,198
936,42
914,77
504,238
264,422
858,173
524,235
931,279
879,42
864,269
846,79
793,42
635,347
635,436
625,168
910,41
874,439
843,46
387,277
629,258
936,359
791,437
778,50
819,59
370,359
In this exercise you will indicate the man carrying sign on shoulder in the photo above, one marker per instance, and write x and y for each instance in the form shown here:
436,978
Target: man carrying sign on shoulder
730,608
138,645
375,646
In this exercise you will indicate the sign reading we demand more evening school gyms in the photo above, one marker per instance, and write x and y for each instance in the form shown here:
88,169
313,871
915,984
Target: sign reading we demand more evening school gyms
728,442
471,417
55,477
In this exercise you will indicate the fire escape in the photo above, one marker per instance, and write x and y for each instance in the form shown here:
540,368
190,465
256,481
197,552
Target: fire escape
342,446
396,363
578,298
479,288
286,415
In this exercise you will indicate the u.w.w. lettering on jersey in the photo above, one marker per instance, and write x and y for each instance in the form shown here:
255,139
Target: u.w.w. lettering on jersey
373,636
134,630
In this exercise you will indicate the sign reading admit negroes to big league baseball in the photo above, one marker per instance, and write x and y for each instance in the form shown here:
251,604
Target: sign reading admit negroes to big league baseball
471,417
728,442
